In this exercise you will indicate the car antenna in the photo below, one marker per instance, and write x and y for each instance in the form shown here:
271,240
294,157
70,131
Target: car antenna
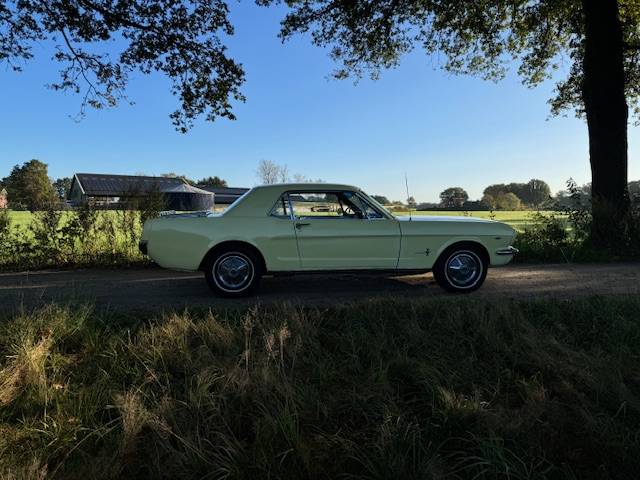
406,184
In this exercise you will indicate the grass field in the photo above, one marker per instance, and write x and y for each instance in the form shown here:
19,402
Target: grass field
454,388
518,219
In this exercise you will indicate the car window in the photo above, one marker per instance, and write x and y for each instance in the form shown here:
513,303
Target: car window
365,207
317,204
326,204
281,208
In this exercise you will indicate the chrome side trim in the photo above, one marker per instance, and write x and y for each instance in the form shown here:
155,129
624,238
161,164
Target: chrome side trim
507,251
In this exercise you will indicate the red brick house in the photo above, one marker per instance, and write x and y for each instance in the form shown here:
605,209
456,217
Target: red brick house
3,199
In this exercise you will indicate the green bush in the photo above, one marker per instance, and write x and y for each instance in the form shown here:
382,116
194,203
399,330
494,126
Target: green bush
83,237
566,236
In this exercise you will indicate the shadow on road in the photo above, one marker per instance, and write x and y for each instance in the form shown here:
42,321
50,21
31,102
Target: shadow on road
155,289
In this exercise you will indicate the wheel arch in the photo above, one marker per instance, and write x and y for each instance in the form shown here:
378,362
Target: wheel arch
230,245
471,244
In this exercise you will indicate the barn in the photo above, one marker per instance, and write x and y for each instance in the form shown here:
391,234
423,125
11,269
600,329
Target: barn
113,191
224,195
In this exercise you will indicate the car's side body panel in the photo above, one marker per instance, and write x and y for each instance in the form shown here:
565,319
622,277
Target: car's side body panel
178,246
425,238
182,243
290,244
345,243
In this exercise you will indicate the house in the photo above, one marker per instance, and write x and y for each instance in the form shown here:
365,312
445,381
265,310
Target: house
4,200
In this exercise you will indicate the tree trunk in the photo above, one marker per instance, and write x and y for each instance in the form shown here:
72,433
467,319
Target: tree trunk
603,93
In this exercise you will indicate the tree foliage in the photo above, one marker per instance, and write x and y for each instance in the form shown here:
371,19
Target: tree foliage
212,182
28,186
482,38
453,197
508,201
100,43
534,193
381,199
61,187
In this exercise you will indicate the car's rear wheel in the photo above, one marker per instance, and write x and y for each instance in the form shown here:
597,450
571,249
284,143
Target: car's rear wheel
461,268
233,273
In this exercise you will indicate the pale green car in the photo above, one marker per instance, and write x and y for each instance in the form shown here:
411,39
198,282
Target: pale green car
296,228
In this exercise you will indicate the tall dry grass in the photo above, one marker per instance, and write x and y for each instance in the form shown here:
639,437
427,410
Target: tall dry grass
377,390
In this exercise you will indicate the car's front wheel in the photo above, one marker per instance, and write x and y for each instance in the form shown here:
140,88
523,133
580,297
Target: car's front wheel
232,273
461,269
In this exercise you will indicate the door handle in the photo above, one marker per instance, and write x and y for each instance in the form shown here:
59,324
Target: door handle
299,225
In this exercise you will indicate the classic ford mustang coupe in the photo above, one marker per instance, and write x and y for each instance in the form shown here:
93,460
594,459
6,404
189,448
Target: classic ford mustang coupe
297,228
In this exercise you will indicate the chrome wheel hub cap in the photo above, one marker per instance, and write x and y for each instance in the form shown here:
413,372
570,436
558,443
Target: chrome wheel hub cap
233,272
463,269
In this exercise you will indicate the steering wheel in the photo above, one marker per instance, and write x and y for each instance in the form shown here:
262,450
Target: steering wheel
352,212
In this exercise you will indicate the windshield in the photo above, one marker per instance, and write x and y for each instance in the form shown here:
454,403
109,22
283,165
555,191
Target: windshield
377,205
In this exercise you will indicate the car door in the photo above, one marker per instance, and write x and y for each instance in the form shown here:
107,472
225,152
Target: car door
275,237
340,231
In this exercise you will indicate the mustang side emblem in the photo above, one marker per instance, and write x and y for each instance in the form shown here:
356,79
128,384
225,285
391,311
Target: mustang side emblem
426,252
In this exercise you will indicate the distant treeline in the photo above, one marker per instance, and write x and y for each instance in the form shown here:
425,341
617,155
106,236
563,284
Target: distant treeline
534,194
28,187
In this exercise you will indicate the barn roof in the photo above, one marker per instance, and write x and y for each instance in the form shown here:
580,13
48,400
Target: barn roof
106,185
186,188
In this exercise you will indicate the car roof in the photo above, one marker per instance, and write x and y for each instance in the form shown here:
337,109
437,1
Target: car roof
259,200
283,187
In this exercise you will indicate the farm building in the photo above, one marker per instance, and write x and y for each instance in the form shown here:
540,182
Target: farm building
114,190
224,195
3,199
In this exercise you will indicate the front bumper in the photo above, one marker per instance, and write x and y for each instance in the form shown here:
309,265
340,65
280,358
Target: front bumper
507,251
142,246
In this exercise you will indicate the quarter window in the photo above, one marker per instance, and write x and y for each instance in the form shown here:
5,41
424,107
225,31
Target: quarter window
281,208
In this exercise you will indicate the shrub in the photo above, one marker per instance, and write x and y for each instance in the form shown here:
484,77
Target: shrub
80,237
566,235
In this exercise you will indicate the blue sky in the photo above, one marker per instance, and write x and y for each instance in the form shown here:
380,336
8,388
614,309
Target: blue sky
441,130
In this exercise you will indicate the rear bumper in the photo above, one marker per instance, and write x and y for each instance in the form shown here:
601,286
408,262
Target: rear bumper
507,251
142,246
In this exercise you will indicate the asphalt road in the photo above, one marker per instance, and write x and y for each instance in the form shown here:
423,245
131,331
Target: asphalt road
156,289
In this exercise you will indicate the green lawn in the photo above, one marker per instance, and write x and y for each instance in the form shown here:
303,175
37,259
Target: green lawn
518,219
